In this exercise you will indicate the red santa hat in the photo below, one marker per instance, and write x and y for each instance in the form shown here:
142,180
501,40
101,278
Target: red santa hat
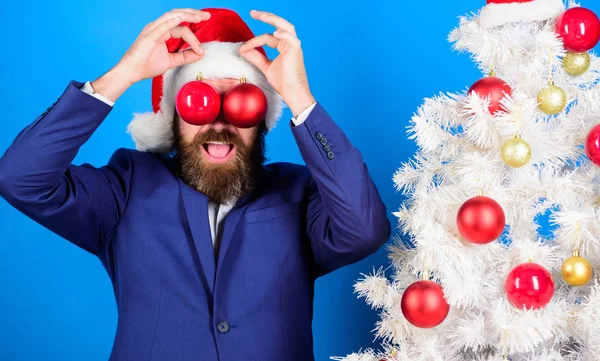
220,36
499,12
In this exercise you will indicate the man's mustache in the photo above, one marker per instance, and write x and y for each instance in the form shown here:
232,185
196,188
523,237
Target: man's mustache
224,136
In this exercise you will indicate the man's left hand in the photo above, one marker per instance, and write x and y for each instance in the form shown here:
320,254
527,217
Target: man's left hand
286,73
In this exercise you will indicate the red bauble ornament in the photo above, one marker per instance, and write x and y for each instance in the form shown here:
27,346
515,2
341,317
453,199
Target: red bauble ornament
480,220
493,88
530,286
592,145
198,103
424,305
579,29
245,105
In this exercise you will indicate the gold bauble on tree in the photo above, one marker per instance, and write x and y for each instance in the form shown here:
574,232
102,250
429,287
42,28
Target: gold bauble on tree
516,152
552,99
576,64
576,270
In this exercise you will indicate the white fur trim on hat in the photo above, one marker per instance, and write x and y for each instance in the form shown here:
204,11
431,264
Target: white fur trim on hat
498,14
153,132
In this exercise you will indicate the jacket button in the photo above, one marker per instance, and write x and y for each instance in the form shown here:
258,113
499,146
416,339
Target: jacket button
324,141
330,155
327,148
223,327
319,135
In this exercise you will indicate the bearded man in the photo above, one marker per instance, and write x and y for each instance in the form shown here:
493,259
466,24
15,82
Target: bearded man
212,254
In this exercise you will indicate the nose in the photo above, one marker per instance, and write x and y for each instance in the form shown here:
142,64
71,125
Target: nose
221,124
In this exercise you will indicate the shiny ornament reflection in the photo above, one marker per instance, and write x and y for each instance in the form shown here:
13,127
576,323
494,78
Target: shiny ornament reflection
197,102
579,29
245,105
480,220
576,64
529,286
576,270
552,100
423,304
494,89
592,145
516,152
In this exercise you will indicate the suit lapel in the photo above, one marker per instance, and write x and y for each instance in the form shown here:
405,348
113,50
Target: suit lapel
227,251
196,207
230,225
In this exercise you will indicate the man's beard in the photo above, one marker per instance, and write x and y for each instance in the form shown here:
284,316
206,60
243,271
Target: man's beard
222,183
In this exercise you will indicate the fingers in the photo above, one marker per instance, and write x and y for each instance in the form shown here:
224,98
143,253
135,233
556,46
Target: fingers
257,59
186,34
189,15
184,57
272,19
291,39
157,34
265,39
170,29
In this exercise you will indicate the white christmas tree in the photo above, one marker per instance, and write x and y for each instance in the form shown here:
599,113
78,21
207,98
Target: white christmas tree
527,153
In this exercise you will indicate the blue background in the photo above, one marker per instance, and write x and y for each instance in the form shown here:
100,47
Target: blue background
369,64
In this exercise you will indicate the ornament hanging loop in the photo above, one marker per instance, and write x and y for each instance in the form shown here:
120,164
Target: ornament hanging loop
504,347
425,274
578,239
199,76
550,75
520,117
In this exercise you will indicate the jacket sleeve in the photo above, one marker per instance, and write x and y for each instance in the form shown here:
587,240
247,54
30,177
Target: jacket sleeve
80,203
346,218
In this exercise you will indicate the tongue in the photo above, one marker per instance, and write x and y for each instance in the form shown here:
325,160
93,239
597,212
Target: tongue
218,150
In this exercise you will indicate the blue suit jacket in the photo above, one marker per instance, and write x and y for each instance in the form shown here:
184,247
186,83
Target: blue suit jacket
151,232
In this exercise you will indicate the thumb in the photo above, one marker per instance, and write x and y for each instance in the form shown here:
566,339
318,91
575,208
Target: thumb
184,57
257,59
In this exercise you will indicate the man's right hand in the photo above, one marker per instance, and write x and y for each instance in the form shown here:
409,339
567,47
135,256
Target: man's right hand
148,56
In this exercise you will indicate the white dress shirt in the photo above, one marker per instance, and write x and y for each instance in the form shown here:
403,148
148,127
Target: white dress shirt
216,212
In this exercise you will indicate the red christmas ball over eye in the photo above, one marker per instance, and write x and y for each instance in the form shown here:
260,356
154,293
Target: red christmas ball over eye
198,103
245,105
579,29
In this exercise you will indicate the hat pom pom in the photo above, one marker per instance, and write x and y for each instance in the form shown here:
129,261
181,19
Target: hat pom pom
152,132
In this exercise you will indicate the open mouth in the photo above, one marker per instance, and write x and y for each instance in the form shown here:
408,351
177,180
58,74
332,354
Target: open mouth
218,152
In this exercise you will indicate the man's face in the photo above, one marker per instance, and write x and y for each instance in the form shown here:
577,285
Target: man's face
219,159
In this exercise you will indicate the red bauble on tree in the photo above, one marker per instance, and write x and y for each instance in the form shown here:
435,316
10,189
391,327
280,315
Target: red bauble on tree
245,105
592,145
424,305
480,220
579,29
494,89
529,286
198,103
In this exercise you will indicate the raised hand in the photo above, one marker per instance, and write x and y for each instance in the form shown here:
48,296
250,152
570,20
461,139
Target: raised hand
286,73
148,56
